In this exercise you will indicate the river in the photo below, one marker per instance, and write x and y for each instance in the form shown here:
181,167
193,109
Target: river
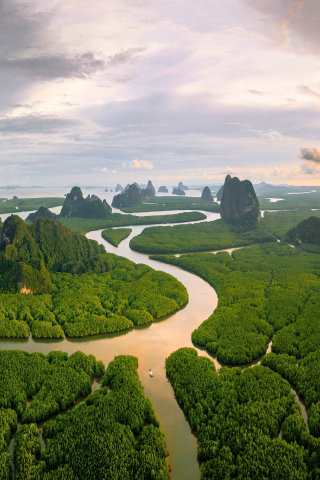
152,344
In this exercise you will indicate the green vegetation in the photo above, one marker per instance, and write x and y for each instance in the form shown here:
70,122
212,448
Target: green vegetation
26,204
100,303
251,285
53,382
238,416
278,223
43,212
111,434
158,204
239,203
128,198
205,236
77,206
307,231
8,423
115,236
29,252
300,201
149,207
82,290
83,225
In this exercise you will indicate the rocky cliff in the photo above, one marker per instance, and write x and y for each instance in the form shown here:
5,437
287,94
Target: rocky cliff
239,203
130,197
77,206
206,195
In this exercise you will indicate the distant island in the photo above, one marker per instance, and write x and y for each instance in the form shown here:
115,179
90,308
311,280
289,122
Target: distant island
163,189
178,191
90,207
181,186
206,195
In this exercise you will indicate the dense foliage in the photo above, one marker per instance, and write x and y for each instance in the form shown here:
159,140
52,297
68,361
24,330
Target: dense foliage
53,382
307,231
84,291
42,212
251,285
104,303
238,416
199,237
126,294
278,223
83,225
26,204
129,197
8,423
149,207
96,441
77,206
28,253
115,236
239,202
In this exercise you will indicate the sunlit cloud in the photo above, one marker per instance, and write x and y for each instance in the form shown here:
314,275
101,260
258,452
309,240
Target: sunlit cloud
311,154
142,164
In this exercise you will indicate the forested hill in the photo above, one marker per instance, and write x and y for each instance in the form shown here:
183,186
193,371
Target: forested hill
77,206
28,252
307,231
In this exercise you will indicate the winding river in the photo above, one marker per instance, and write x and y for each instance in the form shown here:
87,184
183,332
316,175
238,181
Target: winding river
151,344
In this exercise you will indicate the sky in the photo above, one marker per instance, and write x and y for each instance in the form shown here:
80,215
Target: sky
106,92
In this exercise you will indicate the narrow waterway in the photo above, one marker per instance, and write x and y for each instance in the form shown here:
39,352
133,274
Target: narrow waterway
152,344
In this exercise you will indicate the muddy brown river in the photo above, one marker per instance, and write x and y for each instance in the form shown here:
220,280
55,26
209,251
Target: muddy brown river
151,344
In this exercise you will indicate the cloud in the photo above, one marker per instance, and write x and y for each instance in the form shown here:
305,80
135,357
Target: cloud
310,154
104,169
308,168
142,164
37,124
52,67
125,56
256,92
125,79
291,23
307,91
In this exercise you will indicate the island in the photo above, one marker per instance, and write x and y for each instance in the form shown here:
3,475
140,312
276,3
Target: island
163,189
75,205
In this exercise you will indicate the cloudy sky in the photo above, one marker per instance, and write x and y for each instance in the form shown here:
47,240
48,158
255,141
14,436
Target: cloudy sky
112,91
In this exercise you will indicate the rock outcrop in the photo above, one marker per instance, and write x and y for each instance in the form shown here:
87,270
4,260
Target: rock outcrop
119,188
206,195
148,192
130,197
239,202
219,194
163,189
178,191
77,206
